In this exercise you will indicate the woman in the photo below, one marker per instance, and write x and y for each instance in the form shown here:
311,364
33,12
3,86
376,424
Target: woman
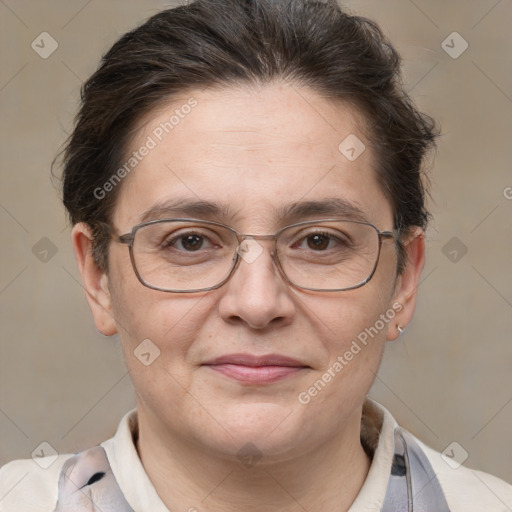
245,185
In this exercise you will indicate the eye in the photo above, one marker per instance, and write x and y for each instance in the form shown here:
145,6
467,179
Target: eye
322,241
187,241
318,241
191,242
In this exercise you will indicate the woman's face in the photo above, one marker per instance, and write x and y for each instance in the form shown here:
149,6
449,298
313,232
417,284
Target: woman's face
254,153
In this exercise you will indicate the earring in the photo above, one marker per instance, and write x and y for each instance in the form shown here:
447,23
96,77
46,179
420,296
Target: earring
400,330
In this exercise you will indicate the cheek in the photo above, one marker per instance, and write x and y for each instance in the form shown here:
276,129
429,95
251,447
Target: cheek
354,351
163,325
169,323
363,314
157,334
353,329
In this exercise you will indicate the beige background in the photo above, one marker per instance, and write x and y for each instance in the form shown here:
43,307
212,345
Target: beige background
448,379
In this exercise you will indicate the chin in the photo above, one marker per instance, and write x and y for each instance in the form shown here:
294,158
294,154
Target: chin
256,430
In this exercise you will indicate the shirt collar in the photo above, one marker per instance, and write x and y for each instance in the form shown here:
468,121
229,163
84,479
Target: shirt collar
377,437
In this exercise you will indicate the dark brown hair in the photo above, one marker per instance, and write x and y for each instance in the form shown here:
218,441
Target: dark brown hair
211,43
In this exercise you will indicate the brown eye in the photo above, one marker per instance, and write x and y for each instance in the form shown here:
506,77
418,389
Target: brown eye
191,242
318,242
187,242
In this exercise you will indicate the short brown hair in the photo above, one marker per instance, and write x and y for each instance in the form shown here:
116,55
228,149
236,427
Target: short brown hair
233,42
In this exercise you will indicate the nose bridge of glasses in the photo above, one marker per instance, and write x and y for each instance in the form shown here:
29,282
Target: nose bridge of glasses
250,247
245,236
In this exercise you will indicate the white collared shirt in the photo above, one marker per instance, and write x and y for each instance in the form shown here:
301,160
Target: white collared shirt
26,487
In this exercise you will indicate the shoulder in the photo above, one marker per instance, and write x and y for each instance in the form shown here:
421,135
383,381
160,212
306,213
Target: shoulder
75,483
57,483
466,489
31,485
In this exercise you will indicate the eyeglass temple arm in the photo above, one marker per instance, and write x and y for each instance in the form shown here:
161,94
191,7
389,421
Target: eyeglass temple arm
123,239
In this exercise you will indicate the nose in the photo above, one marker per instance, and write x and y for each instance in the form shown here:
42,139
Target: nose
256,293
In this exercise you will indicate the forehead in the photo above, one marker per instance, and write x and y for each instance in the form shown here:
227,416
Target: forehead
253,156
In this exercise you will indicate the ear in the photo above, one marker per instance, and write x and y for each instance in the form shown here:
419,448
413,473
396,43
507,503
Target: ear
95,281
406,289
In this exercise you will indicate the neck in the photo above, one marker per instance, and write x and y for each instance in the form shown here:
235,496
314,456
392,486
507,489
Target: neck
190,477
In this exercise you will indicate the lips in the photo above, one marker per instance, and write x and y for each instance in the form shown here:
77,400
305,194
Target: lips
250,360
252,369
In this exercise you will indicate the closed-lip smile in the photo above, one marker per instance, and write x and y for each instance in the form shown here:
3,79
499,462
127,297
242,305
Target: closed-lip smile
252,369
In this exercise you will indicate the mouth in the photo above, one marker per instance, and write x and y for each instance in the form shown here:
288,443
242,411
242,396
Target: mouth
257,369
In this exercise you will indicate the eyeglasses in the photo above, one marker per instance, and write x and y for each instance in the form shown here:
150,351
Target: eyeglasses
189,255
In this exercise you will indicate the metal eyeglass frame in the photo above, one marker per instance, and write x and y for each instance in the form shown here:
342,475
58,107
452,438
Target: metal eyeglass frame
128,239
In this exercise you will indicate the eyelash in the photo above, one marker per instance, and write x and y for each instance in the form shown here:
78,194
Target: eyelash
171,241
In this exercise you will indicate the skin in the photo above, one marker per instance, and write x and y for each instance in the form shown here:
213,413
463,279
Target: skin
254,149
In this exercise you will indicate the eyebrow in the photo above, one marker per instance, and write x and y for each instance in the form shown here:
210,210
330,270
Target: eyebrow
335,206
